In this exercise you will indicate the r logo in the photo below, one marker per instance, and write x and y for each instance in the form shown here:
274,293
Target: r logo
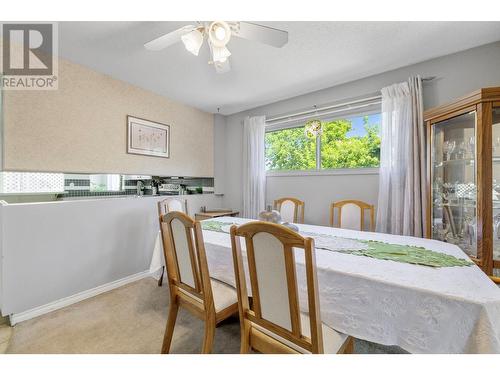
27,49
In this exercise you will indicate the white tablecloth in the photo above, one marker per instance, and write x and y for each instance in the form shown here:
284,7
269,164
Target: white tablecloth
421,309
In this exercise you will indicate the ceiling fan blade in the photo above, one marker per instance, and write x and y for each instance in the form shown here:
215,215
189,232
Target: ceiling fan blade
263,34
167,40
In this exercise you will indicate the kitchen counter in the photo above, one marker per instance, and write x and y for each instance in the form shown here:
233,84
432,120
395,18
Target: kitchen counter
69,198
118,196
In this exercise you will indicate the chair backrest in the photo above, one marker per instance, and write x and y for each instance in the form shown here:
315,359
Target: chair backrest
351,214
275,309
185,255
172,204
495,279
291,209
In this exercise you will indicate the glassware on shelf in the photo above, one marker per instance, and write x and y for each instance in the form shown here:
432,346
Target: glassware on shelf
454,190
496,227
496,192
462,150
472,147
448,148
496,146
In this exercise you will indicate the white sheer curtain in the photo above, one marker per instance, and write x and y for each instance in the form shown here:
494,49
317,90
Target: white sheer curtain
254,167
401,205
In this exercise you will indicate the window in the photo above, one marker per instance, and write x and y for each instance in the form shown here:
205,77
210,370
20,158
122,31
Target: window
22,182
104,182
350,142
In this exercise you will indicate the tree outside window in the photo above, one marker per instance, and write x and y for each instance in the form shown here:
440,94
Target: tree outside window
344,143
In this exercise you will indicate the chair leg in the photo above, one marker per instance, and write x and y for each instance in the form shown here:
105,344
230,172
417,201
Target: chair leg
245,339
169,330
160,280
245,347
349,348
208,340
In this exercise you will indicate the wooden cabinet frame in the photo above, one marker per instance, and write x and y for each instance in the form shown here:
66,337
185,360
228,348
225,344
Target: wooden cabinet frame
481,101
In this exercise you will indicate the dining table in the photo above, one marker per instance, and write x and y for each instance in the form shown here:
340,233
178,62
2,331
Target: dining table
451,308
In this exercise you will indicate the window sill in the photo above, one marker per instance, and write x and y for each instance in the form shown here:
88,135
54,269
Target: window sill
325,172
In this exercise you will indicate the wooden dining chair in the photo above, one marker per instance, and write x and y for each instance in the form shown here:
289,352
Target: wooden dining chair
291,209
274,322
495,279
189,281
351,215
164,207
172,204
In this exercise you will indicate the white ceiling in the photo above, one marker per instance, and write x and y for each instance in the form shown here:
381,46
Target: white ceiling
318,55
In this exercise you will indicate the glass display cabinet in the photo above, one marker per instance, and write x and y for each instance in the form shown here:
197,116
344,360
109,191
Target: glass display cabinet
463,154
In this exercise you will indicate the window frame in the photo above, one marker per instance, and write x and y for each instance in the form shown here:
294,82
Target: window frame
318,171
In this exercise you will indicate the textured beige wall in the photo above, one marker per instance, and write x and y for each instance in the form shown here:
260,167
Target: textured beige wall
81,127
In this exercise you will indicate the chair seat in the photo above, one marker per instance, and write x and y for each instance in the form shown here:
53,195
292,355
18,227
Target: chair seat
224,295
332,339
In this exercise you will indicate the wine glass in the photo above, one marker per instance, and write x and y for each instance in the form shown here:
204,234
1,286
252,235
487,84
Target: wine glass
462,149
448,148
472,146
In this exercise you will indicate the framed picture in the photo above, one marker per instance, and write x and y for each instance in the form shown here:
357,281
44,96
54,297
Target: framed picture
146,137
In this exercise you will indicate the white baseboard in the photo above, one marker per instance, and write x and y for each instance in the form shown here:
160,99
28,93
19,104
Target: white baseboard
66,301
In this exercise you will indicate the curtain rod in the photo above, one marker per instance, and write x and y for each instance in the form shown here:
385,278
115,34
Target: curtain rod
326,108
331,110
291,116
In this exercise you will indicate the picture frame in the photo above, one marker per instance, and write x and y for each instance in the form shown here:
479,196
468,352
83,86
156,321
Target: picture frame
145,137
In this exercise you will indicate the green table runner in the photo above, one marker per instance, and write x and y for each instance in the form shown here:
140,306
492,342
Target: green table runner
408,254
373,249
216,226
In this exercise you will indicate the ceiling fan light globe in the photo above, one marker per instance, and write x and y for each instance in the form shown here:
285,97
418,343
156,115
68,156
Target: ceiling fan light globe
193,41
219,33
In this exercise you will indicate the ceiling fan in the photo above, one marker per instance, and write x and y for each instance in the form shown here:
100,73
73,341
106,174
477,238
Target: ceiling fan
218,34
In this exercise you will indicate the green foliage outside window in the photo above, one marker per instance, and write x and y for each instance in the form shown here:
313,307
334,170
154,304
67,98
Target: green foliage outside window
290,149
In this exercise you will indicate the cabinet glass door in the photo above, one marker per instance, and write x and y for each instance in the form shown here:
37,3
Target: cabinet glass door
454,190
496,187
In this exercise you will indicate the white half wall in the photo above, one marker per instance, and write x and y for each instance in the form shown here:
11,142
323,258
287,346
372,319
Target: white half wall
55,252
456,75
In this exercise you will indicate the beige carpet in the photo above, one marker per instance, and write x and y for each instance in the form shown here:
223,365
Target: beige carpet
5,335
130,319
